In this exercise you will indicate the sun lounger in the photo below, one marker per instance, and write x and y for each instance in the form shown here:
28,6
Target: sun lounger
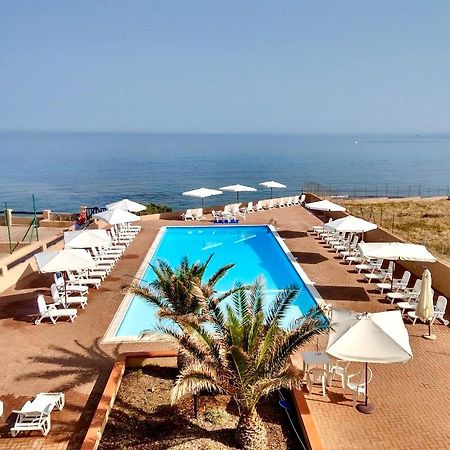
197,214
380,274
187,215
53,313
69,287
35,415
84,279
248,208
259,206
406,294
397,284
59,298
438,313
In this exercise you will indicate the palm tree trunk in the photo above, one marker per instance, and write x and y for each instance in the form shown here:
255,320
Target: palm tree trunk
251,432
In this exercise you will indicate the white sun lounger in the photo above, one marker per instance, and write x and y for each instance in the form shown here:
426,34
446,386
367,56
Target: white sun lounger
84,279
66,301
406,294
69,287
53,313
35,415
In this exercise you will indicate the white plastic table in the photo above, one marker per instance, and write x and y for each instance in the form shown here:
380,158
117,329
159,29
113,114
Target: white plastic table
311,359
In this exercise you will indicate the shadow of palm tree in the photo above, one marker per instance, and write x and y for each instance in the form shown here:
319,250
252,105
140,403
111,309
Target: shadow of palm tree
77,367
74,367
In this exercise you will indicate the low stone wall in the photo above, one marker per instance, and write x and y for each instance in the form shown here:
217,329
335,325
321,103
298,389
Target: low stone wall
21,263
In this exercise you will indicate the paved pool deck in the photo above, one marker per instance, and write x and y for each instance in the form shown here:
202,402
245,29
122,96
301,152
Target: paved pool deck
70,356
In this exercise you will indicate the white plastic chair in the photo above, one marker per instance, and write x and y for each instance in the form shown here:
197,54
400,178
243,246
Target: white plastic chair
339,368
357,387
317,376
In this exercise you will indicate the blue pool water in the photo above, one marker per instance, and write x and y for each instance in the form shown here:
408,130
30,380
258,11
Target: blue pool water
254,251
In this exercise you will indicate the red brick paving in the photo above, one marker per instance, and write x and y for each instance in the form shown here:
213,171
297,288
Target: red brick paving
70,357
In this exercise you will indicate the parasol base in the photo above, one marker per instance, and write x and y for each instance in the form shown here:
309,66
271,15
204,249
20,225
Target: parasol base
365,409
430,337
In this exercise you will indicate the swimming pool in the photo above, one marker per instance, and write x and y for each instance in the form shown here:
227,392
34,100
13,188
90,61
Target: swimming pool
255,251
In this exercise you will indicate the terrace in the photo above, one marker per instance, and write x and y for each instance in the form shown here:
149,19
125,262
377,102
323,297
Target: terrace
71,357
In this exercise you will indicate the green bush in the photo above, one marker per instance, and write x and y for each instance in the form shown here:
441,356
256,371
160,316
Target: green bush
154,208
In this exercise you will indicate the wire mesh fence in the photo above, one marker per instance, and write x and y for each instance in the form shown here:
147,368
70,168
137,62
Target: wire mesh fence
378,190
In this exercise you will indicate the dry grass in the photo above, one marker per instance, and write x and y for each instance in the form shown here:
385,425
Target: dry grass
421,221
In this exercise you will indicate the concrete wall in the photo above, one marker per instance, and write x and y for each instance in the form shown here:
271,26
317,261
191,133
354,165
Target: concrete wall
22,264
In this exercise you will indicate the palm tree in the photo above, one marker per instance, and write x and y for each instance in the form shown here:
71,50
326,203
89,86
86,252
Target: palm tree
181,294
245,353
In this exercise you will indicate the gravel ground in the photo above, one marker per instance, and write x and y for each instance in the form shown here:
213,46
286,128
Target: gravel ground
142,417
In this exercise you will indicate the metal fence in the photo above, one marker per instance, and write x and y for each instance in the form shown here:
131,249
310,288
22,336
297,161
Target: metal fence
378,190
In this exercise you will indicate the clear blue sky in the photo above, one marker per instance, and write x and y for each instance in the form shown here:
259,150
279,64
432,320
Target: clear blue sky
280,66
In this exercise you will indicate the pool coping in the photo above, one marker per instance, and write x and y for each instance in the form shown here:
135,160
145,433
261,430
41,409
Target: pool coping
110,338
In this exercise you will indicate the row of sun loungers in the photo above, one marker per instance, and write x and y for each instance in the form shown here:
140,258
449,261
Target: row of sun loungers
375,271
72,292
232,212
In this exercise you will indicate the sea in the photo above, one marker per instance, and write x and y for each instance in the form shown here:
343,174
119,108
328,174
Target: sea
66,170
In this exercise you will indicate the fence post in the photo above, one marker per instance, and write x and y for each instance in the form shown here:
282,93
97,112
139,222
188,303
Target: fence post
8,217
381,216
419,190
386,191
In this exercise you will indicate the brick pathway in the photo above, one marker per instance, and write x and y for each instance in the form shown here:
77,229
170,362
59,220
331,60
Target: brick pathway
70,357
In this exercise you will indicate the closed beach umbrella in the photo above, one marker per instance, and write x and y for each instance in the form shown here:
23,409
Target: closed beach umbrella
116,216
202,193
238,188
369,338
126,205
351,224
86,239
424,310
324,205
272,185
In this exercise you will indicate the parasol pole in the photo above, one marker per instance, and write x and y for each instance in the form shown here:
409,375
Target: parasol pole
366,407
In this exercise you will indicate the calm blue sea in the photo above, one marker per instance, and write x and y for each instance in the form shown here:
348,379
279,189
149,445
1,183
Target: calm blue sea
66,170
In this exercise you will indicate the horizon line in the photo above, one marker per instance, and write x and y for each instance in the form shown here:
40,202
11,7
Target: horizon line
227,133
